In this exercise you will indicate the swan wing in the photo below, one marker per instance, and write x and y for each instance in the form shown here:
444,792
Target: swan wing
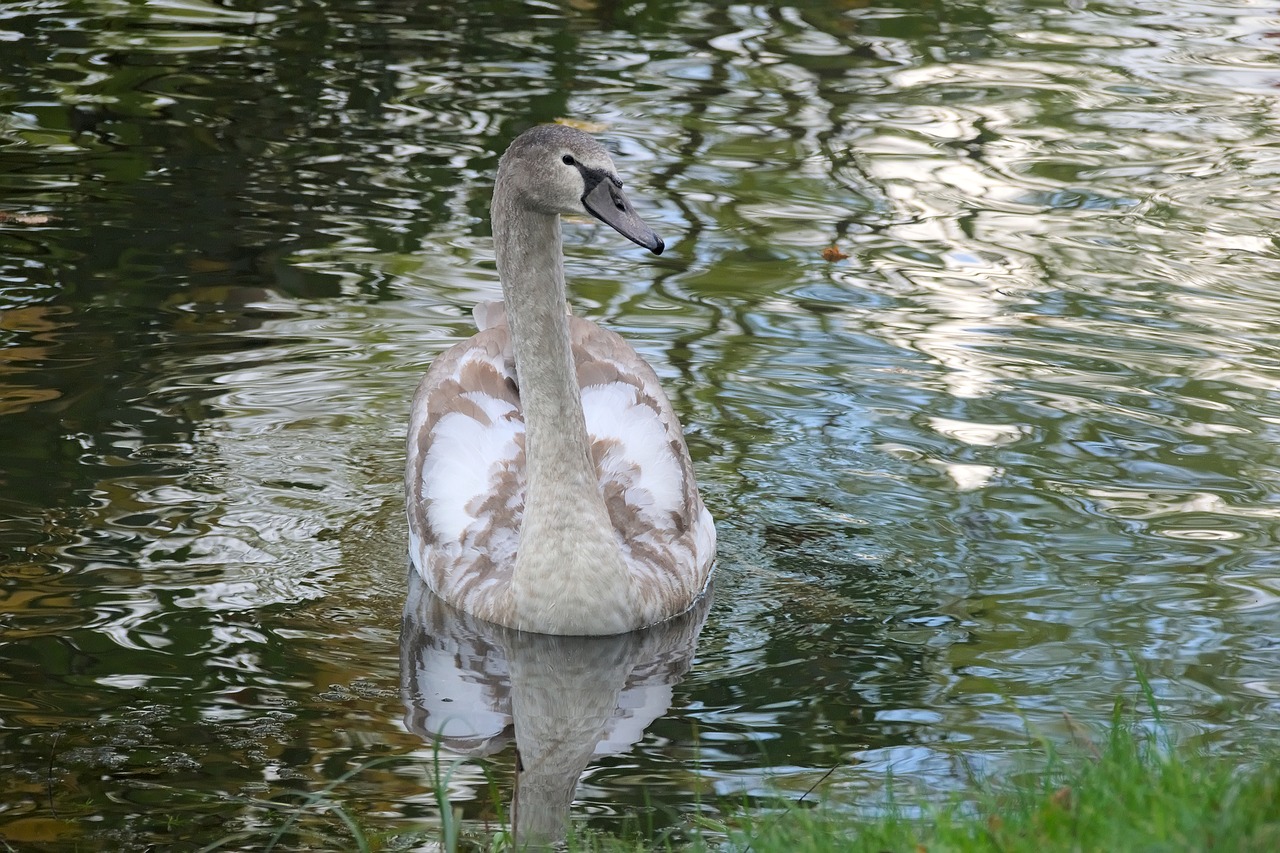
465,473
645,472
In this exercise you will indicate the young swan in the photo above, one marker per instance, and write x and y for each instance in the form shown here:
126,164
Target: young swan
548,484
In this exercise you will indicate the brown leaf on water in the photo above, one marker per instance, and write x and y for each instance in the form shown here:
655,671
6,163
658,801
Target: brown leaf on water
1061,797
833,254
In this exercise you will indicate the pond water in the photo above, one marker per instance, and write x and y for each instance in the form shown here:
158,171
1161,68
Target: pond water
1021,442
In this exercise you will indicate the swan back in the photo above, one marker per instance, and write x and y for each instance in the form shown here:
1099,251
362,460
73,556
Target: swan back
467,473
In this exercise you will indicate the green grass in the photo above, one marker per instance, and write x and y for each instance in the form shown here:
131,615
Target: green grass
1130,794
1136,792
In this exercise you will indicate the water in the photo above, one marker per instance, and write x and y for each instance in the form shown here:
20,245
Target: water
1020,441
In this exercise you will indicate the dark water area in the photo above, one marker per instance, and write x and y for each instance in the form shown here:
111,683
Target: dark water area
1021,441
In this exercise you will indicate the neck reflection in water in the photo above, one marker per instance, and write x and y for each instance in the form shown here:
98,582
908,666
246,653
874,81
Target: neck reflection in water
473,687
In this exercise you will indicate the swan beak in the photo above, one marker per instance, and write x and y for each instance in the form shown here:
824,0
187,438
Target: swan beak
606,202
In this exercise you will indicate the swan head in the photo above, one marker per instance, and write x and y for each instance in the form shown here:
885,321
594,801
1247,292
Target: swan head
554,169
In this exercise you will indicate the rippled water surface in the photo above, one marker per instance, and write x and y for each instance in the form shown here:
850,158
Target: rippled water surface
1022,439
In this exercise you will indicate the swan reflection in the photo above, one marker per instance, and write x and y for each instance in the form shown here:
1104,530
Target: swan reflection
473,687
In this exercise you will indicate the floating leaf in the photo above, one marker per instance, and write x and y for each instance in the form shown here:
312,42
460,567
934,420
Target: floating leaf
833,254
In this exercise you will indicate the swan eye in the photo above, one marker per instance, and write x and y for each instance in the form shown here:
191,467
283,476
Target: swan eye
567,160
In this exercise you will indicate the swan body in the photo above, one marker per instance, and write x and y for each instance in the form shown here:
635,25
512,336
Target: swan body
548,483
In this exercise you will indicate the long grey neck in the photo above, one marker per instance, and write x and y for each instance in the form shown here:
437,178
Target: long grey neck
569,576
530,265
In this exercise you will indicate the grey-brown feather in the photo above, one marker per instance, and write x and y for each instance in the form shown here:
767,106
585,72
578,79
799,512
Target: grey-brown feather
471,572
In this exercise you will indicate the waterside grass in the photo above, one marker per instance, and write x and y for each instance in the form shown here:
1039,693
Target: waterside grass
1131,793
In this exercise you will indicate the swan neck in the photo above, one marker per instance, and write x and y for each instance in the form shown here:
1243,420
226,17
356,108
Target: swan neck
569,576
533,290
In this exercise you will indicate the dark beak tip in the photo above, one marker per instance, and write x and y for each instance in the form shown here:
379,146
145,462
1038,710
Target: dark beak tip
658,245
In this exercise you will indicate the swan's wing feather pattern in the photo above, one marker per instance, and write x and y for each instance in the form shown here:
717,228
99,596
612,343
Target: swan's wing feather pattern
465,472
465,476
646,475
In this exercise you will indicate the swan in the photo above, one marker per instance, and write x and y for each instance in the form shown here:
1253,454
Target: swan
548,485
